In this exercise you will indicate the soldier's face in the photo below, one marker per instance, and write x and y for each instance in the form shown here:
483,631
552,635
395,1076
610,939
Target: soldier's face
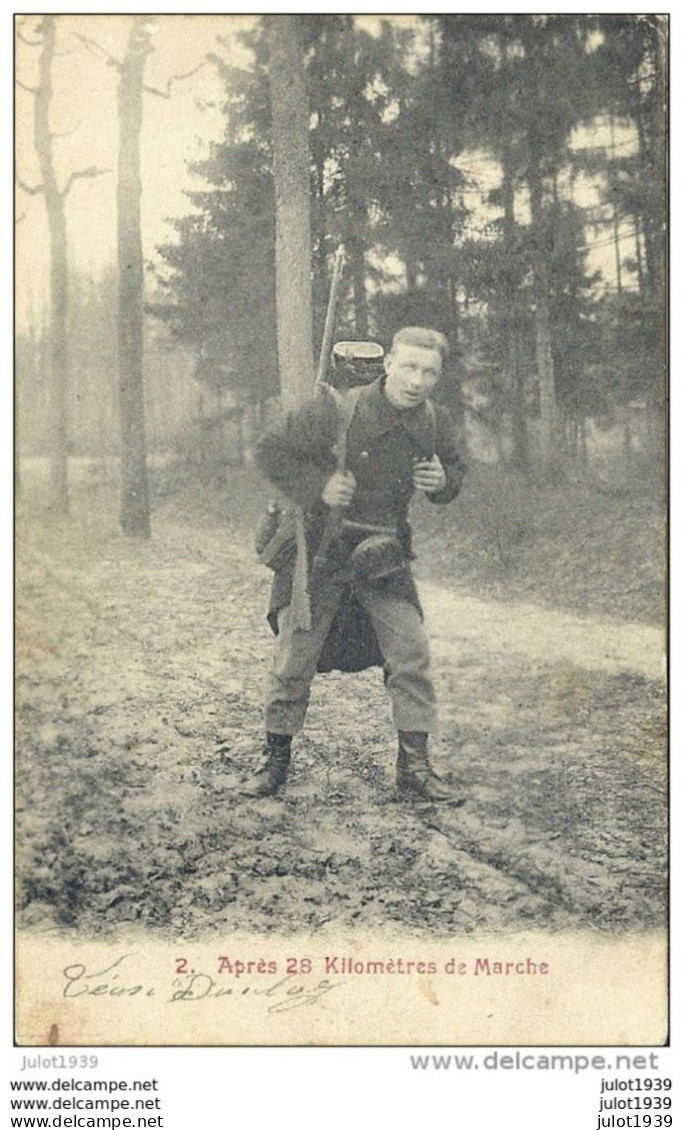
412,372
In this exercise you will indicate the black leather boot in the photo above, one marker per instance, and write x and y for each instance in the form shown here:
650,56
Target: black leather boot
415,777
272,774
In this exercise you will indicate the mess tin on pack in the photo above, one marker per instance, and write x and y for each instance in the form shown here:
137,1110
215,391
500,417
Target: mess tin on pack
356,363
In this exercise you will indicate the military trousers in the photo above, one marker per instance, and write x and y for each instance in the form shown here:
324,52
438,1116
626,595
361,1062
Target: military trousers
403,643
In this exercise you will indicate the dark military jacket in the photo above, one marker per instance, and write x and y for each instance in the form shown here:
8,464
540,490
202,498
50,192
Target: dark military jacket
383,442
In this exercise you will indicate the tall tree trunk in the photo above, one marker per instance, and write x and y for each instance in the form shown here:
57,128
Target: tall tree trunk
544,355
650,112
292,212
54,203
659,158
615,208
659,162
545,368
360,298
639,254
134,488
520,435
650,216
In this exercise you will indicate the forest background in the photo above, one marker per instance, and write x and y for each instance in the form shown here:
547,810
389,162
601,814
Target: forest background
502,178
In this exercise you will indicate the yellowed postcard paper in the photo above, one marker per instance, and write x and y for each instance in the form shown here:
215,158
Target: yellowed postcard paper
465,840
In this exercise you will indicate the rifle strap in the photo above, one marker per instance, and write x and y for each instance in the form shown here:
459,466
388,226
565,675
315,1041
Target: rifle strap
346,407
431,416
300,602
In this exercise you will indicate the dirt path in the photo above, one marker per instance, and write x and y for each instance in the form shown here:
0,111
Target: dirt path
139,698
539,632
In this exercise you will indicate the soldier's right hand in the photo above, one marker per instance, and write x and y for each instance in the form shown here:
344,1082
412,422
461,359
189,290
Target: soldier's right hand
339,489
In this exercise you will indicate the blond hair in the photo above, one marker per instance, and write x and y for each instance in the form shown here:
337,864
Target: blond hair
423,337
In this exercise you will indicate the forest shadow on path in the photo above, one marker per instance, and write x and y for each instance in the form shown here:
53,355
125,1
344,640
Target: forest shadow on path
139,698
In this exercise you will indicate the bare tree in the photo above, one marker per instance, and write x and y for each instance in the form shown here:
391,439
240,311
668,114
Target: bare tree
55,198
135,510
135,519
291,165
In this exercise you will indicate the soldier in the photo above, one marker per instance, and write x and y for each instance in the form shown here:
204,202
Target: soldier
364,607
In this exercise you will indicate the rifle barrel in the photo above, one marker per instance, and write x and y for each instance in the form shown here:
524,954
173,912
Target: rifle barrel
331,316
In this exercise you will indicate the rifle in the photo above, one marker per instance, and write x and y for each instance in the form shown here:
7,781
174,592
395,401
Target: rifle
300,602
330,317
